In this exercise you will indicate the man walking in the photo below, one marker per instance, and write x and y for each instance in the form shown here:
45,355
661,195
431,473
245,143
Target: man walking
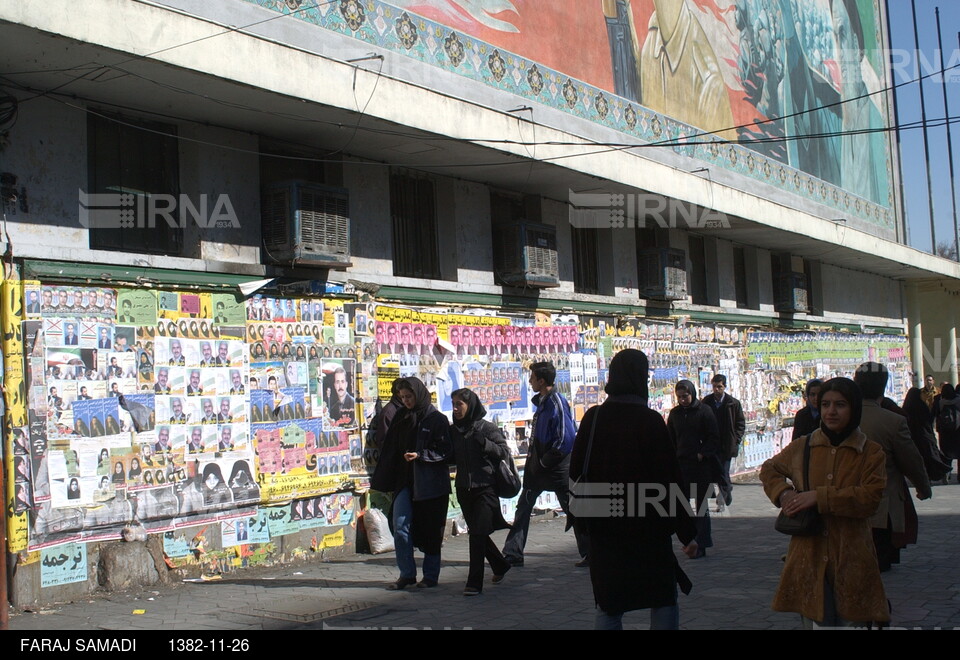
548,461
895,522
732,426
693,430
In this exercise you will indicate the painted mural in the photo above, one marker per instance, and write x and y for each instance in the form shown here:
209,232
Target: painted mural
717,64
794,82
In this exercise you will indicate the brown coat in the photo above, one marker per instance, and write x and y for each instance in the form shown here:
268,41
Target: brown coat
890,431
849,481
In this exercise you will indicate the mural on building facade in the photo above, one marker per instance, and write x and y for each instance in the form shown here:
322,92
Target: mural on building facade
716,65
764,74
143,407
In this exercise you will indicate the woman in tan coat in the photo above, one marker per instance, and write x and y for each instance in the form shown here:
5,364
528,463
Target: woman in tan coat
832,579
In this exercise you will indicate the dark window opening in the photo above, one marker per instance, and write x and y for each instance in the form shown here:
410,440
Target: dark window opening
138,165
414,215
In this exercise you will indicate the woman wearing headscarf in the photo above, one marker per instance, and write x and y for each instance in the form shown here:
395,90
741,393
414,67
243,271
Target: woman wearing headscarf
807,419
832,578
413,466
946,412
478,446
696,436
632,564
921,430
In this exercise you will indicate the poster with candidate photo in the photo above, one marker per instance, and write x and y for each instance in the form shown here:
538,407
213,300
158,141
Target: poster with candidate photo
292,404
337,379
96,418
262,404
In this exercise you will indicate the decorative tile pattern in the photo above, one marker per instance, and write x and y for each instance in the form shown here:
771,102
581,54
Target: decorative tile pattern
387,27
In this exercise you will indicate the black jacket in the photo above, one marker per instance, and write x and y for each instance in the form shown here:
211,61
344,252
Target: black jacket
730,422
478,452
693,430
431,476
804,423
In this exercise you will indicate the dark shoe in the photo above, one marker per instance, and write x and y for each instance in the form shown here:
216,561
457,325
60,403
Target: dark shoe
728,500
471,591
515,563
497,579
426,584
401,583
583,563
701,553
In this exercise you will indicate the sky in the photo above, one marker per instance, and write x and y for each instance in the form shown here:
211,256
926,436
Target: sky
908,101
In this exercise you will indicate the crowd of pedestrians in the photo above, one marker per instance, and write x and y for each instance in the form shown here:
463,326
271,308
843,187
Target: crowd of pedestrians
849,460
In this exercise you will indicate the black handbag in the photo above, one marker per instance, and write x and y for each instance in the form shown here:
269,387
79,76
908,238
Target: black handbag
807,522
506,479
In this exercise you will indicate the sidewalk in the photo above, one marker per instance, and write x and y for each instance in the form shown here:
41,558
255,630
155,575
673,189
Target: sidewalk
733,587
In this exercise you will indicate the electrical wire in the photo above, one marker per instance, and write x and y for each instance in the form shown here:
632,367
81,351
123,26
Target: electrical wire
909,126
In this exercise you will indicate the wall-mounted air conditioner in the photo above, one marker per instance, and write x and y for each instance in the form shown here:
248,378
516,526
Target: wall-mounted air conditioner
527,254
662,273
306,224
790,293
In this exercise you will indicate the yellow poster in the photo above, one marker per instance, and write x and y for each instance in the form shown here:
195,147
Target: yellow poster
334,540
15,410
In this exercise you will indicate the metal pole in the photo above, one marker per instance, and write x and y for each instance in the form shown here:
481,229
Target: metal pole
896,122
946,114
923,118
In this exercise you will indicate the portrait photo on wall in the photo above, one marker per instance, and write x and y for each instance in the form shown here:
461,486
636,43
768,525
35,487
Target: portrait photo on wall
337,384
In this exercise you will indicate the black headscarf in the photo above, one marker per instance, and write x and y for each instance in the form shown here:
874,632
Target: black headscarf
948,392
424,405
690,387
628,374
850,391
915,409
395,393
475,409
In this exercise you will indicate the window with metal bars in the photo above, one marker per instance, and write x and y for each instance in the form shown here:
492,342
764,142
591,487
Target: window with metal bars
124,160
414,215
586,266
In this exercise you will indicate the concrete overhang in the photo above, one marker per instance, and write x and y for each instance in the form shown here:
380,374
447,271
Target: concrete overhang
104,58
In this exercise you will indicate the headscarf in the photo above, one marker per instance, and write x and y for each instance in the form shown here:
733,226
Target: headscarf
628,374
690,387
395,392
948,392
423,405
915,409
813,382
475,409
850,391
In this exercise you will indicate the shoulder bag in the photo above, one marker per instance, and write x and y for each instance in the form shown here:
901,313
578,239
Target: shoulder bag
807,522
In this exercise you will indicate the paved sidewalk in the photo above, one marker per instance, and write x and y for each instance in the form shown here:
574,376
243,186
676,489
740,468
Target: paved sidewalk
733,587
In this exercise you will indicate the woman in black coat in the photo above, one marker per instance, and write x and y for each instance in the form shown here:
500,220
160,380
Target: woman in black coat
413,466
632,563
921,430
693,429
478,446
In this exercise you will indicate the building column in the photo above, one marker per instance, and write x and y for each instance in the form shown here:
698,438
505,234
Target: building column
916,334
952,348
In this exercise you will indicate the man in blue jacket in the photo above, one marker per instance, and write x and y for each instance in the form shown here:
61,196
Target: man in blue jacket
548,460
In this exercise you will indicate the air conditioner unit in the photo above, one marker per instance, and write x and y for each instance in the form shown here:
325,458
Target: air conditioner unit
528,255
662,273
790,293
306,224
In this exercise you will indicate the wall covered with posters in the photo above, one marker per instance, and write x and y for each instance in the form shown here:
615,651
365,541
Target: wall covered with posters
176,409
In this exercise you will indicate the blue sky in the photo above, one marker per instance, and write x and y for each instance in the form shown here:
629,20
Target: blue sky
908,98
